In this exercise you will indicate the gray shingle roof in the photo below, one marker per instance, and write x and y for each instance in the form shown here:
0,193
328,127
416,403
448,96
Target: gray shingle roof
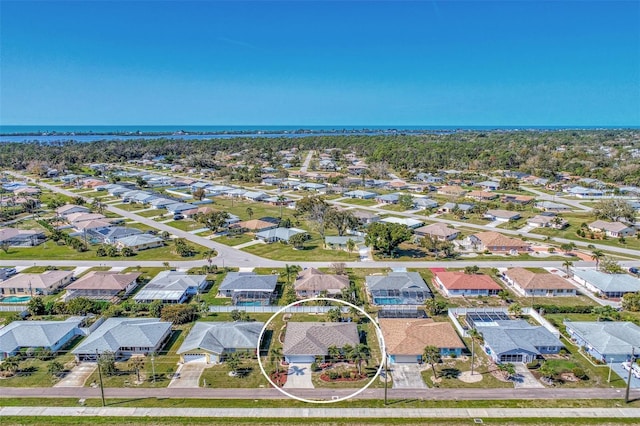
238,281
170,285
216,337
607,337
314,338
396,281
116,333
35,334
519,335
609,282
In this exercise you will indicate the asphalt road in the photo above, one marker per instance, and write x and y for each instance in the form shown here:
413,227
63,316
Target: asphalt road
269,393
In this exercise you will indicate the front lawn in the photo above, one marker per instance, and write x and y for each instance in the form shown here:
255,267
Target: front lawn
312,251
234,240
250,376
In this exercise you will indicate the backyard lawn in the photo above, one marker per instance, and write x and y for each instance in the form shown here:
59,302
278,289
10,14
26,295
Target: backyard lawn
312,251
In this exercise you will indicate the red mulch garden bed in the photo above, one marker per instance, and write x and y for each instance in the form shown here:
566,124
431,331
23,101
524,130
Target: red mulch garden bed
325,378
279,378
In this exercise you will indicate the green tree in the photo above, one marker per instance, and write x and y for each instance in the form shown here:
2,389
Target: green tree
10,364
431,355
155,308
342,220
298,240
547,371
386,237
233,362
55,368
435,307
107,363
605,313
508,369
567,265
351,246
249,212
631,302
614,209
334,314
405,201
471,270
611,266
475,337
179,314
36,306
199,194
515,309
214,220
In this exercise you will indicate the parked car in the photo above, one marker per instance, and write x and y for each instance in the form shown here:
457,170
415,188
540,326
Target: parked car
634,270
178,216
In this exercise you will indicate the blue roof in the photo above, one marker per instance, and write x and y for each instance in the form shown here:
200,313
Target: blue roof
609,282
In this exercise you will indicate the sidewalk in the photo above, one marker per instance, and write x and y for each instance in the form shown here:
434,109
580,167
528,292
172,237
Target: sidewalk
323,413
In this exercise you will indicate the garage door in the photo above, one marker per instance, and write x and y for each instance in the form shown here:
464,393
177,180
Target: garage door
403,359
301,359
195,358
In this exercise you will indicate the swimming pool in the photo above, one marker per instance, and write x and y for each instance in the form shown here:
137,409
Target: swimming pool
15,299
250,303
387,301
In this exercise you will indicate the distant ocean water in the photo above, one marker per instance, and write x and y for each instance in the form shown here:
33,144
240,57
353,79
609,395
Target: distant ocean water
90,133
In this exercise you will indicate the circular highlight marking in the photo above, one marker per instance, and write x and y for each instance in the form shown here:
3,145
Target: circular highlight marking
323,401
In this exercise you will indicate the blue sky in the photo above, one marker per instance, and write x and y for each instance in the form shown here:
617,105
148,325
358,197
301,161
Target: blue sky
332,62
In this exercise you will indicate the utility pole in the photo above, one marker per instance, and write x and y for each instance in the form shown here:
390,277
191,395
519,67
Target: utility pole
386,378
100,376
631,361
153,366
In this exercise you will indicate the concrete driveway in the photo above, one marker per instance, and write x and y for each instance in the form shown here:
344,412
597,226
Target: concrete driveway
78,375
299,377
188,375
524,379
407,376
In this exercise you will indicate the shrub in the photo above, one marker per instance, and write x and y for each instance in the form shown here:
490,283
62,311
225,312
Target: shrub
579,373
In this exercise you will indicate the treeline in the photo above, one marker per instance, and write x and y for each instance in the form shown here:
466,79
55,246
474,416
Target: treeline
601,154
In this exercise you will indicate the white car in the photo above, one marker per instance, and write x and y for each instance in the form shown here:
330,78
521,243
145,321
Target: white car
635,369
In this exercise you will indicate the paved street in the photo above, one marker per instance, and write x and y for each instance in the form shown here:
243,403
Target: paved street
377,393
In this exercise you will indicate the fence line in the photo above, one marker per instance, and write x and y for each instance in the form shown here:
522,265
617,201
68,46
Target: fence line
273,309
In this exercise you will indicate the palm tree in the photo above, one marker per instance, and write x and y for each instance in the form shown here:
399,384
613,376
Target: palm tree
10,364
515,309
249,212
333,352
567,265
431,355
358,354
275,355
596,255
351,245
55,368
280,200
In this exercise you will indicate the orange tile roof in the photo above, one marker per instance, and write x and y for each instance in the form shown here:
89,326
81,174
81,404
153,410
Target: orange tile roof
407,336
530,280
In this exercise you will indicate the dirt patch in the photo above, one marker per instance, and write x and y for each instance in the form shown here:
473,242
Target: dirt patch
466,377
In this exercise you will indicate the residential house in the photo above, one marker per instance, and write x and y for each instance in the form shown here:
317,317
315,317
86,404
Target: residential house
110,235
550,206
547,221
43,335
210,342
581,192
139,242
278,234
76,218
501,215
124,337
397,185
613,286
542,284
489,185
455,284
429,178
103,285
496,243
452,191
612,229
481,195
517,199
256,225
406,338
388,198
606,341
397,288
171,287
310,186
45,283
27,190
423,203
438,231
68,209
512,341
406,221
21,237
304,341
365,217
255,195
341,243
248,288
451,207
313,283
177,208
